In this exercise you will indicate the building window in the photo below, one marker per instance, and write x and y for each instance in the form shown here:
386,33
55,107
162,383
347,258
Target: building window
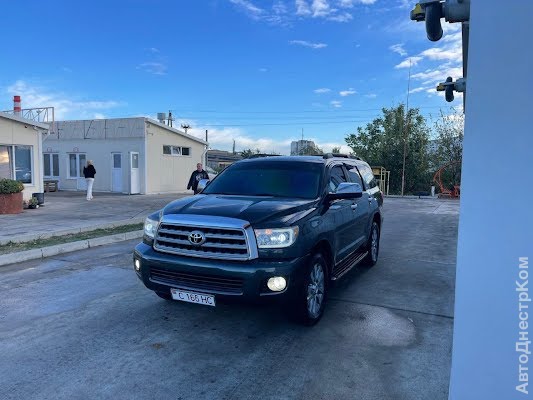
16,163
76,163
176,150
51,165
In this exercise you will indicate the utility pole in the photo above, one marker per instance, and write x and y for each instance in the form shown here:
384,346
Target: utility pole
406,128
206,148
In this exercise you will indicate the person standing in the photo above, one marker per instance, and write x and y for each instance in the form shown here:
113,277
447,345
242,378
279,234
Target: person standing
88,172
196,177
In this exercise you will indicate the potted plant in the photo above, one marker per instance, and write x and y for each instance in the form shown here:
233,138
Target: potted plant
33,202
10,196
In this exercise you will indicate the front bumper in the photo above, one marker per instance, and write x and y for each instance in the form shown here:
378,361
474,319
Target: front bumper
244,280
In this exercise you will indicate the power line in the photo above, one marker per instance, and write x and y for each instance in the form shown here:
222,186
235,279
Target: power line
181,111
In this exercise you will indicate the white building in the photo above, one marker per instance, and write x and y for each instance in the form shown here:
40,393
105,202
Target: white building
301,147
131,155
20,152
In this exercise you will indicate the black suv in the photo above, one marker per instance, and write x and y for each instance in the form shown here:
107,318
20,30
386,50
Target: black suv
265,228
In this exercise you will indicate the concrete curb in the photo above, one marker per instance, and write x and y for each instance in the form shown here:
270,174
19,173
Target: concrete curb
71,231
34,254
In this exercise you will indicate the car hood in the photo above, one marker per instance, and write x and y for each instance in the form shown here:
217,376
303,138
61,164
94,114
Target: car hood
254,209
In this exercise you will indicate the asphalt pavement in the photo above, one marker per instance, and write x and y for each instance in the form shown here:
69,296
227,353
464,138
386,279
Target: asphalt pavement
82,326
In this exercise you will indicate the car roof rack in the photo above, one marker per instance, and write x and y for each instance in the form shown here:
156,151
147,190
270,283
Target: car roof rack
263,155
339,155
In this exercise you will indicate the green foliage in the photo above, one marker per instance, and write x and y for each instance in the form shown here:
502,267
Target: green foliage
311,150
336,150
247,153
449,130
381,143
8,186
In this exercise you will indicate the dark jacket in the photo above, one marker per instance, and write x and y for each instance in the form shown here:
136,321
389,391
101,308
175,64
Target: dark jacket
89,172
195,178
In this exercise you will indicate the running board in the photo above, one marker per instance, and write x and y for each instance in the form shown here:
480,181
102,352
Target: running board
347,264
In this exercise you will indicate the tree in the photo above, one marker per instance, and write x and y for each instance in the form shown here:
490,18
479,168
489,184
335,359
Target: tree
449,131
381,143
311,150
247,153
336,150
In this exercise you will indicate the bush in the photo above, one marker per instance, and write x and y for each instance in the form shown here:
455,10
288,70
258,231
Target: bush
8,186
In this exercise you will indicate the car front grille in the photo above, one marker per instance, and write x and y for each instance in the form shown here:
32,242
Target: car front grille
220,242
198,282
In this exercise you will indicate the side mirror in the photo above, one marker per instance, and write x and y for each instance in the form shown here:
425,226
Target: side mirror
202,184
347,190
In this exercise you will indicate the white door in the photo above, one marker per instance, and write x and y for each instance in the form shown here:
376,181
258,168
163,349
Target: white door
82,163
117,172
135,178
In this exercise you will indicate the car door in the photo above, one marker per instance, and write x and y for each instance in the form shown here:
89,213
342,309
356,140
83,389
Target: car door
360,208
340,214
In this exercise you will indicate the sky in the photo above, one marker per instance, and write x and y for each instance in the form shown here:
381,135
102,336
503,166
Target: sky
258,72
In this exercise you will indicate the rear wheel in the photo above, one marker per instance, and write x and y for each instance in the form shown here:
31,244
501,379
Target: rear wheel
311,297
372,246
164,295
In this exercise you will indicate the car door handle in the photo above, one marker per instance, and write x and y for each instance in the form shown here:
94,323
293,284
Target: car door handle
353,207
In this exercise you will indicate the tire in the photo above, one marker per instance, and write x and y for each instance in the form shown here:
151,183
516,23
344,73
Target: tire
372,246
311,297
164,295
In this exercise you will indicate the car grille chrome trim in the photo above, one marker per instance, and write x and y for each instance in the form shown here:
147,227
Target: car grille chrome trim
225,238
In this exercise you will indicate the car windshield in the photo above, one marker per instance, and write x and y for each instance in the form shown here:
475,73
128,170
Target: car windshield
278,179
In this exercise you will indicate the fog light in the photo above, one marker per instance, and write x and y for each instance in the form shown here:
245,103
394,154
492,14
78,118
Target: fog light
137,265
277,284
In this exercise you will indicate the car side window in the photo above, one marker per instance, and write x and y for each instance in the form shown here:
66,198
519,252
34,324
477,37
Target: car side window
336,178
353,173
368,176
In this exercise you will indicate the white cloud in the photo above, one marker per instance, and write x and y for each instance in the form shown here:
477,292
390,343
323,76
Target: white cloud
302,8
64,105
454,54
371,95
311,45
153,50
322,90
348,92
249,8
336,103
263,69
409,62
418,89
154,68
398,48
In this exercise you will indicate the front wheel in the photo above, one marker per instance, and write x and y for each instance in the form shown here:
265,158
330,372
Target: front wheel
311,297
372,246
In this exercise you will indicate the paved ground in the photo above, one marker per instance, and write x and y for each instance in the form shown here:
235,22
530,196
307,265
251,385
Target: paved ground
82,326
65,210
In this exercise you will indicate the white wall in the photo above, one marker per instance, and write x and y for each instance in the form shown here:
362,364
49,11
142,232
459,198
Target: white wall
167,173
100,152
18,133
496,217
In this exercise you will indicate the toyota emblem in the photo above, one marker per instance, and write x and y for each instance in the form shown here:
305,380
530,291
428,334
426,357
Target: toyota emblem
197,238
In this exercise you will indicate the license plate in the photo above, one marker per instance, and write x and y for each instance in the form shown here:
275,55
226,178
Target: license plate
191,297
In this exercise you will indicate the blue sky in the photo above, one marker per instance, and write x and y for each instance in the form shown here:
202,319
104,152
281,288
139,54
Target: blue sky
253,71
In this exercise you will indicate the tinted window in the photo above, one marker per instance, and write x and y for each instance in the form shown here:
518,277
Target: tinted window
336,178
279,179
354,175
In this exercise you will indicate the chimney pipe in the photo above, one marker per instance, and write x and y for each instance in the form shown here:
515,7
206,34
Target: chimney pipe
16,105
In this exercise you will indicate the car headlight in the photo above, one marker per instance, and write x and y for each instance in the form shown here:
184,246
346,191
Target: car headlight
150,226
276,238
